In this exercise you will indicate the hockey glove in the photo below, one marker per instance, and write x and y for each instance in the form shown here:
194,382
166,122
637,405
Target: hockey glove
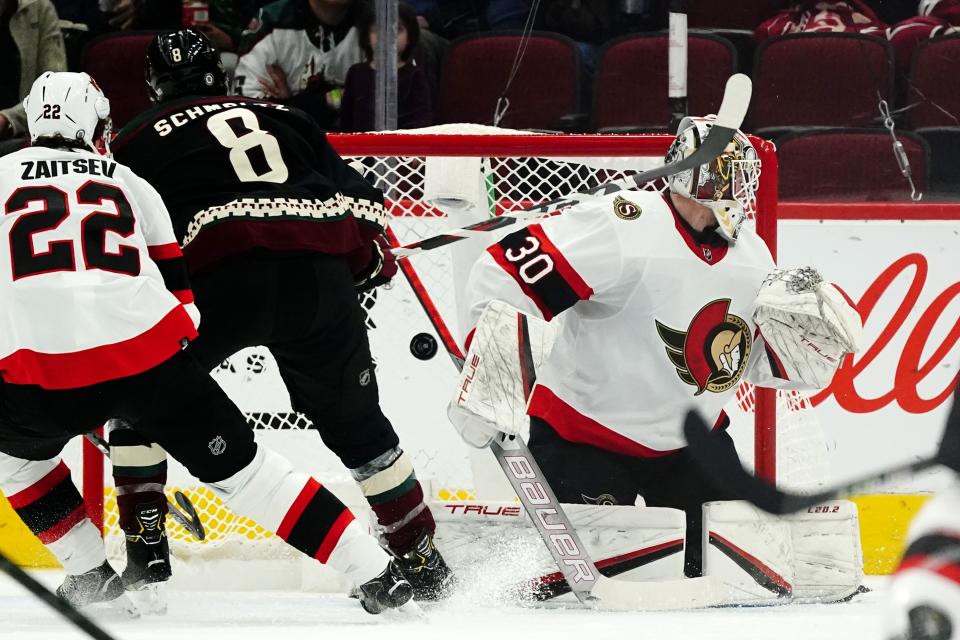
808,323
381,268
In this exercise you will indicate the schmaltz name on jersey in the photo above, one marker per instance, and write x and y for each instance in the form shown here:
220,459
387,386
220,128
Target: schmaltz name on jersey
713,352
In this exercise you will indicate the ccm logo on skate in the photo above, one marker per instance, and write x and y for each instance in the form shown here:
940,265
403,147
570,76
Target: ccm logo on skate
483,510
563,542
471,368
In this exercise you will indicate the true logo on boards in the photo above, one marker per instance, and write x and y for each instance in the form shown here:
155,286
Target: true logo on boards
565,544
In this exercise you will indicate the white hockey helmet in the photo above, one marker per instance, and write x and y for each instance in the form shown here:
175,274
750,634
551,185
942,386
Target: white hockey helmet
727,185
69,106
923,598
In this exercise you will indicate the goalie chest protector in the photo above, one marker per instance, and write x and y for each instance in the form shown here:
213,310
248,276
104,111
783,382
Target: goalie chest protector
660,317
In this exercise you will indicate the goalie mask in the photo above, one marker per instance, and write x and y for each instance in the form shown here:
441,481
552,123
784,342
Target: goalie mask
727,185
69,108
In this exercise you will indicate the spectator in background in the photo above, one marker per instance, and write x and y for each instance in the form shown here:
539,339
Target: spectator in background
30,44
812,16
934,18
228,19
413,91
300,53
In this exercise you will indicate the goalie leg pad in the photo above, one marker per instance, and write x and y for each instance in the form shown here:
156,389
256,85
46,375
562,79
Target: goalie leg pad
813,556
303,514
44,496
634,544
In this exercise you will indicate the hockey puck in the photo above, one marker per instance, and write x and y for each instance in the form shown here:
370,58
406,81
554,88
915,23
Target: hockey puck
423,346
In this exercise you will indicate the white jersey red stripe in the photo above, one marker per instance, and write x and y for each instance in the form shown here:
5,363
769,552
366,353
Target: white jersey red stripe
84,276
654,318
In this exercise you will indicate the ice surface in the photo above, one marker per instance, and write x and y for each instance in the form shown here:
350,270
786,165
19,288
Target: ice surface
271,615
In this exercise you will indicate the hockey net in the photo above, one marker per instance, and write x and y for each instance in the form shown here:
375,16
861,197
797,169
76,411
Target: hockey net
434,181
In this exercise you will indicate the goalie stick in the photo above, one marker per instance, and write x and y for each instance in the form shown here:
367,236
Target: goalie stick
726,469
187,518
61,606
736,100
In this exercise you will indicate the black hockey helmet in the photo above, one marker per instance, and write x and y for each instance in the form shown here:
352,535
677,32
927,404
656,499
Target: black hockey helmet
184,63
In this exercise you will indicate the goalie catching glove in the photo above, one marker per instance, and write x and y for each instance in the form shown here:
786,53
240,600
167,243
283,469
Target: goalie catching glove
808,323
495,383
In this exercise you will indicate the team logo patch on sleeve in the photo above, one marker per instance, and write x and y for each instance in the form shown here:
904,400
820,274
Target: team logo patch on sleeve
625,209
713,352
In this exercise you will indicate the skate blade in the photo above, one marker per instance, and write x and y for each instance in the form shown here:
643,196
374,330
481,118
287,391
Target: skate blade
409,611
120,607
151,599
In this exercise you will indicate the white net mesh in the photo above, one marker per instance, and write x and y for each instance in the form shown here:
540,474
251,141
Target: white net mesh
428,190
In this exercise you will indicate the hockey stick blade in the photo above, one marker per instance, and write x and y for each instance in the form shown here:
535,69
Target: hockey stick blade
61,606
188,518
726,469
733,109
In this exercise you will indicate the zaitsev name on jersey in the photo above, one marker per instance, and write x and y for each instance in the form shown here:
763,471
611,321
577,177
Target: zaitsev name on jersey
262,176
93,284
39,169
166,125
656,318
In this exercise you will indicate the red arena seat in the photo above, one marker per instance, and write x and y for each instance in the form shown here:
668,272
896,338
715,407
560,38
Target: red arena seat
631,85
820,79
934,93
849,164
116,62
544,88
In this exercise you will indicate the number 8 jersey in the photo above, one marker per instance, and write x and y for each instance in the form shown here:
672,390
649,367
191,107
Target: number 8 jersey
92,281
239,174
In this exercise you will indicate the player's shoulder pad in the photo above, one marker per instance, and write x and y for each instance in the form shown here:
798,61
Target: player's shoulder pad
630,206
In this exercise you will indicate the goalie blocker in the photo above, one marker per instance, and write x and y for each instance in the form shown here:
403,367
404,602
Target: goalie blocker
761,559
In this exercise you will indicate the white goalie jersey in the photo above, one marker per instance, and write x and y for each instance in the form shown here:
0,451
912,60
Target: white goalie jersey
654,318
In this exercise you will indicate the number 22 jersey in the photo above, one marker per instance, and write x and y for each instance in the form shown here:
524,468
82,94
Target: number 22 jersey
92,282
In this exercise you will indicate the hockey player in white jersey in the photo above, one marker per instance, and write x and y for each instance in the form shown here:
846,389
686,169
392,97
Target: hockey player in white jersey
656,297
97,320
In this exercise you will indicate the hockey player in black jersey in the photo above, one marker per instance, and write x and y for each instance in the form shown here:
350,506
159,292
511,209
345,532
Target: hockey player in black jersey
278,233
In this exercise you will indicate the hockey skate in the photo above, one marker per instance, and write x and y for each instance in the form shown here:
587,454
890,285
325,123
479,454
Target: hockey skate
99,585
148,561
389,590
426,570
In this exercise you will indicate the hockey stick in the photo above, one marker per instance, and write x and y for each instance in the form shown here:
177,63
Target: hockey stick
187,518
62,607
726,469
736,100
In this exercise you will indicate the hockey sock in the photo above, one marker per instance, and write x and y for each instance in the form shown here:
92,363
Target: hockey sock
302,513
44,496
390,485
140,473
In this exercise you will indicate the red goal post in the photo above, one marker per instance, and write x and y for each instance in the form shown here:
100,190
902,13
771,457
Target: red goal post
517,170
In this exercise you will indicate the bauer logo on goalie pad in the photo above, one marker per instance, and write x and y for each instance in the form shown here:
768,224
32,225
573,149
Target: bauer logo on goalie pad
713,352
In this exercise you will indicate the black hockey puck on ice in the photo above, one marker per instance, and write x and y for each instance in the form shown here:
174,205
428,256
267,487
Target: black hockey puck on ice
423,346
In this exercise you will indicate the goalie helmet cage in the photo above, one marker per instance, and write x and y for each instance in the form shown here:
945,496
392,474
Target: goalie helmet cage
435,181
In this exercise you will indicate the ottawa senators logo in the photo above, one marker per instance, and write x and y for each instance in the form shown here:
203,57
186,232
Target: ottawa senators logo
625,209
713,352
